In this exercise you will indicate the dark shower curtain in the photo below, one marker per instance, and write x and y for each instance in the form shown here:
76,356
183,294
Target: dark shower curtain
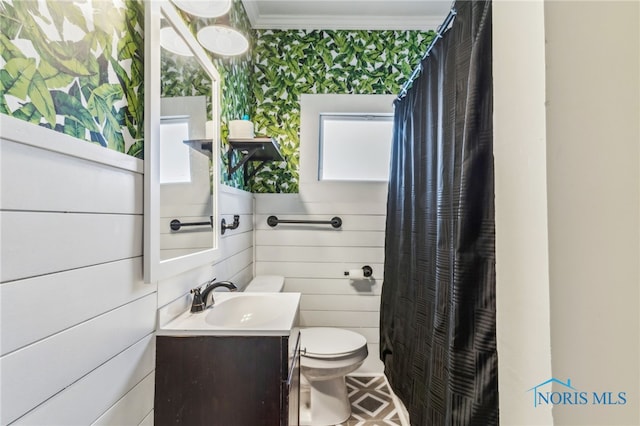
437,325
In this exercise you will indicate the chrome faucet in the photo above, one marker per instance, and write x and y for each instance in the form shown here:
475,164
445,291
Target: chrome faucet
199,303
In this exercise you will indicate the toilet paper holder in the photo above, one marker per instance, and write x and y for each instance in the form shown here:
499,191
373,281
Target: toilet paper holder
365,272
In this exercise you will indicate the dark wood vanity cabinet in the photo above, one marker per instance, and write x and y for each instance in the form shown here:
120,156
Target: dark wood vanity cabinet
227,380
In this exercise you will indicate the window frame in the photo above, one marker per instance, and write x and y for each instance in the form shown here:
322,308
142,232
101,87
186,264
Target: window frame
312,189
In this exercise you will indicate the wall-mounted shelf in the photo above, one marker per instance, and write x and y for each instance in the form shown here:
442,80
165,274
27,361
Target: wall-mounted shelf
201,145
261,149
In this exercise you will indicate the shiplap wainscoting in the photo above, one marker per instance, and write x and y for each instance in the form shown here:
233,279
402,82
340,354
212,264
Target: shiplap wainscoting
187,202
235,263
313,259
77,320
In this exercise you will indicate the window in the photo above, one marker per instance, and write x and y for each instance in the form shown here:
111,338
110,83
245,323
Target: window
316,178
175,166
355,146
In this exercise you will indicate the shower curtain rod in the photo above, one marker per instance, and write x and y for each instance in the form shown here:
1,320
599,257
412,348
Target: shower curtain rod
416,72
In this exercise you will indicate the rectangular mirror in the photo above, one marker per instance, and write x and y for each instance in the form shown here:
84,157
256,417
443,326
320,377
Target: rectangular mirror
182,116
186,189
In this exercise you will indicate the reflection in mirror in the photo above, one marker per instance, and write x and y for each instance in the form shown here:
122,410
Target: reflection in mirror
182,116
186,165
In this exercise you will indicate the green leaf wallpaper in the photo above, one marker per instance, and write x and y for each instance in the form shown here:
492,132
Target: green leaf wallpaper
235,73
237,96
76,67
290,63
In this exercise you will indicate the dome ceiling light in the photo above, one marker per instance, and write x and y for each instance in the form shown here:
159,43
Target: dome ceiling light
171,41
223,40
204,8
219,39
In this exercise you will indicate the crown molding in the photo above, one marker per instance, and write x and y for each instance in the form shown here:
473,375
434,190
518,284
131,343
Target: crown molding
337,22
317,22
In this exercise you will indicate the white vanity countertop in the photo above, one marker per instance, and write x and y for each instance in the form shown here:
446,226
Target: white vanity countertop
239,314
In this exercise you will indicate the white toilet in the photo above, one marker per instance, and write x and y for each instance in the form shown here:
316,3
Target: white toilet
326,356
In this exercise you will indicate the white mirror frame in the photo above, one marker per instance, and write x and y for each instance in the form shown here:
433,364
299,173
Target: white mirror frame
156,269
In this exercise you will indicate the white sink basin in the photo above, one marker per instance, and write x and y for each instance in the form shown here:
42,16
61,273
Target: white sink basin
241,314
245,311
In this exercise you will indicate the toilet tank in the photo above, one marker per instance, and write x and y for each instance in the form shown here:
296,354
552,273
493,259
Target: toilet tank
265,284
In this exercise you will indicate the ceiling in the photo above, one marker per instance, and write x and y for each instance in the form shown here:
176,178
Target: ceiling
347,14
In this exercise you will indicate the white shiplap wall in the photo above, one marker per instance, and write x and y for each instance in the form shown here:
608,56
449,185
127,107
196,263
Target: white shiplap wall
234,264
313,259
77,321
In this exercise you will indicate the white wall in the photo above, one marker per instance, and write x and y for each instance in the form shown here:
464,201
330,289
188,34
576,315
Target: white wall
522,278
313,258
235,262
567,205
593,141
77,322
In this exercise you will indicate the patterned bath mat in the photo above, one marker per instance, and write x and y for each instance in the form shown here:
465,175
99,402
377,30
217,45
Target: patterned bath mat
371,402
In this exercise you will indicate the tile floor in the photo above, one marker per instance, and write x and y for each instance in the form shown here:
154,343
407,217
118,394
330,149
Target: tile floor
371,403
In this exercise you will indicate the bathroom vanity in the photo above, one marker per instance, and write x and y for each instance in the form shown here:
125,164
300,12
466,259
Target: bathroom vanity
227,380
237,366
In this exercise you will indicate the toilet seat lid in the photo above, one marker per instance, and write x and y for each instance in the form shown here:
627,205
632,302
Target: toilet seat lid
327,341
